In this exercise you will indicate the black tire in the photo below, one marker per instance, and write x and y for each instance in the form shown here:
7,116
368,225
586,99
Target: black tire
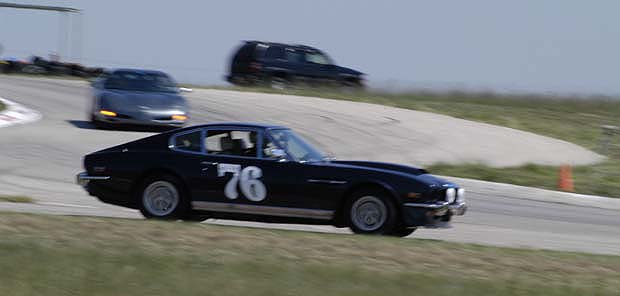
155,205
196,218
279,82
352,85
96,123
403,231
372,211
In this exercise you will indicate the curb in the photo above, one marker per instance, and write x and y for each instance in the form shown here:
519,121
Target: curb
503,190
16,114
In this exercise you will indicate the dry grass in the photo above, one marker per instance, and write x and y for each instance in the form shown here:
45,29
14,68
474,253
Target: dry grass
242,254
16,198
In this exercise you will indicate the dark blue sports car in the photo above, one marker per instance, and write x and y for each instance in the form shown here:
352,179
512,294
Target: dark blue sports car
265,173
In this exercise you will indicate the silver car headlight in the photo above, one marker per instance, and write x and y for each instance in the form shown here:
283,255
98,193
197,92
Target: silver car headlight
460,195
450,195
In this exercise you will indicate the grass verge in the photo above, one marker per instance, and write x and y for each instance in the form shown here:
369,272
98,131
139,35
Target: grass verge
573,119
599,179
2,106
54,255
16,198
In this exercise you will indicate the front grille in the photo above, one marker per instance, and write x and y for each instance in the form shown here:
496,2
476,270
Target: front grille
438,195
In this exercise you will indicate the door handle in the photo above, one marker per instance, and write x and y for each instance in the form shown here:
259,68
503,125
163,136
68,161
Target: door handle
209,163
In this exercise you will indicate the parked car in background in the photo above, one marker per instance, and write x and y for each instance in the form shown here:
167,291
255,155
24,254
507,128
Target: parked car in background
137,97
279,65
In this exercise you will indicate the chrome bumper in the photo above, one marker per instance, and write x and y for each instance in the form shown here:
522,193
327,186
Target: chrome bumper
441,208
83,178
458,209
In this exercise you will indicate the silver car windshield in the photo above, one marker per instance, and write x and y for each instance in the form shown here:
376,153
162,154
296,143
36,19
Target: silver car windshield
146,82
295,146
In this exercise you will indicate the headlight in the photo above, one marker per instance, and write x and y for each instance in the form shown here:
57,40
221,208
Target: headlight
108,113
179,117
460,195
450,195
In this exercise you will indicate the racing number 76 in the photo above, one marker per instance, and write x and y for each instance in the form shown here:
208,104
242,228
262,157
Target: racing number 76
246,179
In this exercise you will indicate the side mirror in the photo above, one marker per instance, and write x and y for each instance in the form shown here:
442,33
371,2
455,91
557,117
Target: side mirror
329,157
185,89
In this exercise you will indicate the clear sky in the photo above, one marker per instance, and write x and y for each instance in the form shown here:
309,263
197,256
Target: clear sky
561,46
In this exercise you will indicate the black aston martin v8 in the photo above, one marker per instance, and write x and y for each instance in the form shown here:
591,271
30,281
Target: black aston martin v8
265,173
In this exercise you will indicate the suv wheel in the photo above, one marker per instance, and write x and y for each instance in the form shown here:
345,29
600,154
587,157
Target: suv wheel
279,82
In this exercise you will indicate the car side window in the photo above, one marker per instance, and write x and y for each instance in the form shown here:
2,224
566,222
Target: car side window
231,142
188,142
317,58
268,147
275,52
294,56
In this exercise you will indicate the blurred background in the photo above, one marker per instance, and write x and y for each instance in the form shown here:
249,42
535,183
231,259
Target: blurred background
526,46
518,102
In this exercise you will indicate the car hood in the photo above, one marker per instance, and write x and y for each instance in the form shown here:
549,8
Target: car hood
420,175
132,100
348,71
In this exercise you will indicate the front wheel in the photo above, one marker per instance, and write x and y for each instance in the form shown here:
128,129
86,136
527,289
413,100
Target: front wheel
163,197
403,231
372,212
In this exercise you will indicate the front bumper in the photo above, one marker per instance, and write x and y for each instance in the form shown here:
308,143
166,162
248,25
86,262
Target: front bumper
145,117
432,214
441,208
83,179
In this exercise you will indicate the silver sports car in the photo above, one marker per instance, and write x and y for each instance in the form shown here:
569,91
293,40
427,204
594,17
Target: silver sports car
137,97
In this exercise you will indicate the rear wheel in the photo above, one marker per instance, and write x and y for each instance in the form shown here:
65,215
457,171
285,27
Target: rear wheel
371,211
163,197
279,82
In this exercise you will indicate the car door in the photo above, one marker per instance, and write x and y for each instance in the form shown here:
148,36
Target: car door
240,178
295,63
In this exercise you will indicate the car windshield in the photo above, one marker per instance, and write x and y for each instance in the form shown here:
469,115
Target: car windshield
295,146
136,81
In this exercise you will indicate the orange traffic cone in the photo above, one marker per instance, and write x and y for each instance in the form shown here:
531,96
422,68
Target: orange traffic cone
565,183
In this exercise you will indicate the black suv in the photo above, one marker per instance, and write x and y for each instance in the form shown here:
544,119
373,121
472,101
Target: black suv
279,65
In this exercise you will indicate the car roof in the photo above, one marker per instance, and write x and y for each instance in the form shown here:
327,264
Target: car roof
137,71
293,46
237,124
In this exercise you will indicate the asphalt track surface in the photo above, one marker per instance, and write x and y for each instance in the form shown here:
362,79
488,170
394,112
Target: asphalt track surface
40,160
